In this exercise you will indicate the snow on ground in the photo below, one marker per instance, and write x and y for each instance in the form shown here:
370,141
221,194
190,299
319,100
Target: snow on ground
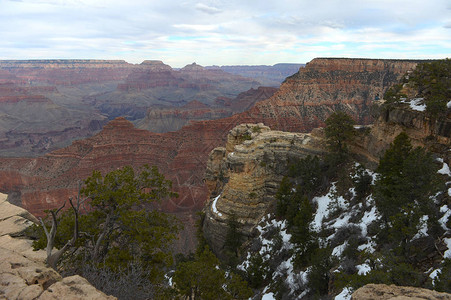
269,296
423,230
445,169
447,213
416,104
339,249
368,218
434,274
363,269
325,206
345,294
213,206
447,254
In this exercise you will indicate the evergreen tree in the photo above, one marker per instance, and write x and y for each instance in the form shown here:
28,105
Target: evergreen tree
233,240
203,279
118,228
339,132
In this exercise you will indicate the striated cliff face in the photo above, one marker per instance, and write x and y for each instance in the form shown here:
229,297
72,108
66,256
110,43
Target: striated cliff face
243,177
325,85
435,135
23,274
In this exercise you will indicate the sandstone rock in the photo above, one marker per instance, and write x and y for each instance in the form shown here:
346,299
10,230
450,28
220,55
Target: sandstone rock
23,247
244,177
73,288
14,226
23,274
392,292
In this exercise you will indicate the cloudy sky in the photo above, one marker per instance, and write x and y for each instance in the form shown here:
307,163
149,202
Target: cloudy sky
224,32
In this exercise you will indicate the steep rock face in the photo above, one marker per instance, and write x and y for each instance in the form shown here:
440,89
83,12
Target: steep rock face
308,97
392,292
23,274
243,177
435,135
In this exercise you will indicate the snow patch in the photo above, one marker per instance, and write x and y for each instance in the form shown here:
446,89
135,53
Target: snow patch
325,206
213,206
417,104
345,294
363,269
269,296
434,274
423,231
444,170
447,253
368,218
370,247
447,213
339,249
448,104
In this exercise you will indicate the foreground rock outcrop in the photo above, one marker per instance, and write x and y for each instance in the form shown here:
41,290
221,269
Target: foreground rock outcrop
23,274
243,177
392,292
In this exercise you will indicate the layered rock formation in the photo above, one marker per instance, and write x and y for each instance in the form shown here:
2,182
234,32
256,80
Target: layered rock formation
308,97
392,292
243,177
173,118
391,120
23,274
46,104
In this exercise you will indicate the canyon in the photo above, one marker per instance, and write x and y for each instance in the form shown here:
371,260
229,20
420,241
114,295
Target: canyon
46,104
302,103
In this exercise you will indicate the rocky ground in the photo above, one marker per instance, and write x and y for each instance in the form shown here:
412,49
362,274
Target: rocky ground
23,273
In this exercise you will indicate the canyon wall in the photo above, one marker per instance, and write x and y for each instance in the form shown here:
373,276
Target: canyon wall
46,104
325,85
243,177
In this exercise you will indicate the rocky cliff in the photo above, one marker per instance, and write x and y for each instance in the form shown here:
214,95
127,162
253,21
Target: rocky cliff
424,131
23,274
243,177
325,85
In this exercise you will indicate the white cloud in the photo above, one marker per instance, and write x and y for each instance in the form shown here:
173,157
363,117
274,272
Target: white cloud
207,9
223,32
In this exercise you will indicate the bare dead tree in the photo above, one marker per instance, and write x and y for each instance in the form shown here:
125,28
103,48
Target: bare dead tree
54,257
